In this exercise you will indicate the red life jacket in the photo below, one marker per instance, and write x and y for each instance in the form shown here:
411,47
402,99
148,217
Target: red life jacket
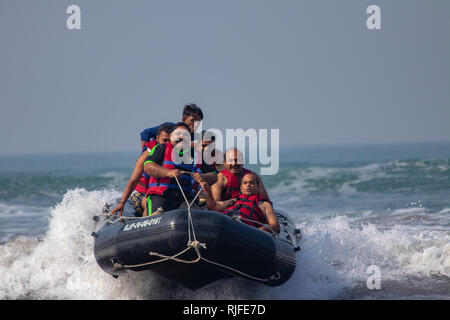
248,208
145,178
233,186
160,185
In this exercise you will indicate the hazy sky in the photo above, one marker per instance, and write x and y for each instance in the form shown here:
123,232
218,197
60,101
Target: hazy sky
309,68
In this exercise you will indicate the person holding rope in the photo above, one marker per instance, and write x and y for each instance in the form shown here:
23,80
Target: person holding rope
168,174
229,179
250,207
138,183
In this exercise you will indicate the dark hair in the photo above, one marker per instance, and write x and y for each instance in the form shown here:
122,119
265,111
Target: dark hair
166,127
213,137
181,124
191,109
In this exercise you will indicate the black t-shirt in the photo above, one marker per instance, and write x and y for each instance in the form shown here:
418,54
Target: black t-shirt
156,155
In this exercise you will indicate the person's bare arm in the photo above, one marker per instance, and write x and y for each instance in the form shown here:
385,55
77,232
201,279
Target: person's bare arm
134,179
271,218
218,187
157,171
210,202
261,189
210,177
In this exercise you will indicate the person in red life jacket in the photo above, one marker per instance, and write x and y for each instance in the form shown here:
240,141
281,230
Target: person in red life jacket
191,115
252,208
175,159
138,183
229,180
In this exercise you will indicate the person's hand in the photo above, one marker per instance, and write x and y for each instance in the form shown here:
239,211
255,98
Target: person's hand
175,173
118,208
197,177
206,186
266,228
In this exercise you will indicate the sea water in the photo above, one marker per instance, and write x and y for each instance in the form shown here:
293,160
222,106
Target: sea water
359,207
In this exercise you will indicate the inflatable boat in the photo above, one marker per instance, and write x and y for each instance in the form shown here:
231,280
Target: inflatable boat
195,247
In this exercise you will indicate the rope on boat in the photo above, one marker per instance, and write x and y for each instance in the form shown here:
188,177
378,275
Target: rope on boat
105,213
196,245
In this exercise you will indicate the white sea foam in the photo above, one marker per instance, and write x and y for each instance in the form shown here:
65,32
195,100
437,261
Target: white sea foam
334,257
62,265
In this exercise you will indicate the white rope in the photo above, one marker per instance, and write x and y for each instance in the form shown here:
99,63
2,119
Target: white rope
159,210
196,245
123,218
182,192
190,222
192,244
257,222
277,276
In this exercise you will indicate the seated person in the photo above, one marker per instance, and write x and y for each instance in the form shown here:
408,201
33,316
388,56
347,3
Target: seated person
249,205
162,167
191,114
139,180
229,180
209,153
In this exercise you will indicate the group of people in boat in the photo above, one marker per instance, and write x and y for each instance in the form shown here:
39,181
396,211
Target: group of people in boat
157,179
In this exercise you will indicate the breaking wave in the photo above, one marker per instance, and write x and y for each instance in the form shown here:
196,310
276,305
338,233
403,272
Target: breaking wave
333,262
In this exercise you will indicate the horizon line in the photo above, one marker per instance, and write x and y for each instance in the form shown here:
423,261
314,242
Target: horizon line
318,145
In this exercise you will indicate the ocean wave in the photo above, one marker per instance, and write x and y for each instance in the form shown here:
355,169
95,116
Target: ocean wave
47,190
334,258
17,219
394,176
19,210
116,177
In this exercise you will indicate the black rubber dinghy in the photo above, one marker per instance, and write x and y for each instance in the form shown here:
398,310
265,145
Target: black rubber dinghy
195,249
